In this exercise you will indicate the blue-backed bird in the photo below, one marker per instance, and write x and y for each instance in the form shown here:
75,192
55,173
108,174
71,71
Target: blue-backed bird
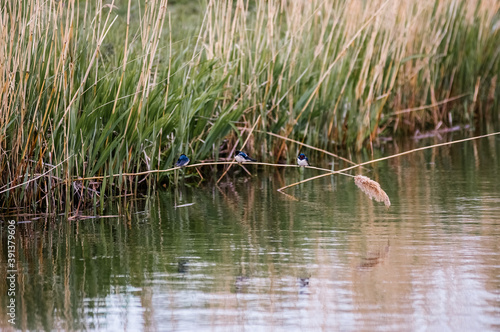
242,157
182,161
302,160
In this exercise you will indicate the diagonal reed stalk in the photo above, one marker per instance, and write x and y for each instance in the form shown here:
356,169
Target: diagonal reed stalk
308,146
420,108
388,157
35,178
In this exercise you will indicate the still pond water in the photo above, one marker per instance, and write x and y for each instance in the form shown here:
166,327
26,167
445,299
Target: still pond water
244,257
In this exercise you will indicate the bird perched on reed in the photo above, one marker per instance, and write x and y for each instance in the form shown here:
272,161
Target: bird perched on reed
242,157
182,161
302,160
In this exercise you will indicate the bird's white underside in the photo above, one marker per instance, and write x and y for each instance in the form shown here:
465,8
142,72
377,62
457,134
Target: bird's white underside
302,162
239,159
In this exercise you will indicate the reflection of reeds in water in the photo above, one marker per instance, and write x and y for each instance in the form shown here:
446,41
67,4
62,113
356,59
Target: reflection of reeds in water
375,258
372,189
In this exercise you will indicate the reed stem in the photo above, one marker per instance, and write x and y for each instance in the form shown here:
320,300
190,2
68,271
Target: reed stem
388,157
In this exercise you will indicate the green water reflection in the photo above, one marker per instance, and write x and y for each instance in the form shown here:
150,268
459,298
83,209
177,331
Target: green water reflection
245,256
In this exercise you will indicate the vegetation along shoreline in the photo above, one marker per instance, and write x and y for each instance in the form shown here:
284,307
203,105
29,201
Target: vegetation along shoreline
100,98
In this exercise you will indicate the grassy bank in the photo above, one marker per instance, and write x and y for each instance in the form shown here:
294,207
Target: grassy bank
101,88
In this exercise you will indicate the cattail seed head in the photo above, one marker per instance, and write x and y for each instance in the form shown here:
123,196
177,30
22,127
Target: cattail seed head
372,189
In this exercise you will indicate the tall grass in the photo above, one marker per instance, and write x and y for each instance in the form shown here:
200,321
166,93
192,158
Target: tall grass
103,88
319,73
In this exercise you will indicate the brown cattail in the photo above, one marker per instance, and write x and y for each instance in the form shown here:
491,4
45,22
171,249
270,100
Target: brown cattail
372,189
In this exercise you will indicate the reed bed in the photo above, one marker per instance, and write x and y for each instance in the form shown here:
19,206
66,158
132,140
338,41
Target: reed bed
108,88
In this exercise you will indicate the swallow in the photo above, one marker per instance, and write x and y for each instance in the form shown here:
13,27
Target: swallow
182,161
242,157
302,160
182,266
303,282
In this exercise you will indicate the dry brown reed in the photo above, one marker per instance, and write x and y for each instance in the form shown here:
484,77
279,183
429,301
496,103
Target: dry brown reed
215,163
372,189
386,158
308,146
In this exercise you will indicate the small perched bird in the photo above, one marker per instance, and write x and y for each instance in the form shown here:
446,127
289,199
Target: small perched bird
242,157
302,160
182,161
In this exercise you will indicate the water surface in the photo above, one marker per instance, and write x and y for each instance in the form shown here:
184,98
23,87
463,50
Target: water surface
245,257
